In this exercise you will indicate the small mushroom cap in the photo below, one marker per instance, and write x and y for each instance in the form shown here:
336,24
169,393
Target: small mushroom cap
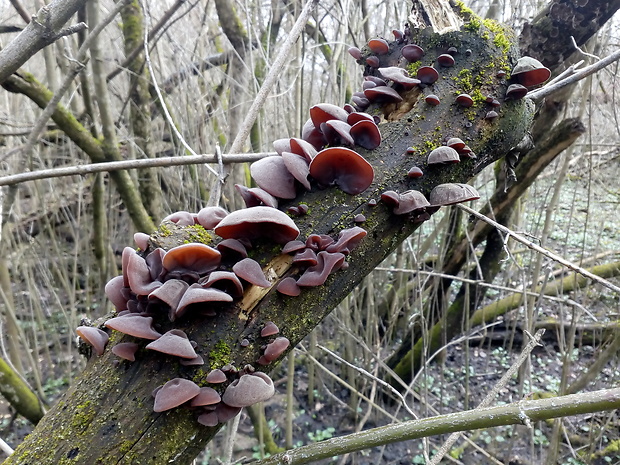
171,292
456,143
317,275
134,325
366,134
180,218
412,52
348,239
373,61
323,112
298,167
355,53
312,135
464,100
276,348
226,281
399,76
378,46
270,174
257,222
250,271
306,257
432,99
96,337
225,412
288,286
382,94
174,342
427,75
248,390
139,275
208,419
443,154
343,167
113,292
196,294
193,256
209,217
232,247
410,201
415,172
207,396
516,91
175,392
446,60
337,132
255,196
216,376
530,72
126,350
142,240
270,329
451,193
293,246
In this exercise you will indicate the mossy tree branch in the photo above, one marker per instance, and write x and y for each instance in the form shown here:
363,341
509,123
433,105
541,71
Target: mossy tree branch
106,417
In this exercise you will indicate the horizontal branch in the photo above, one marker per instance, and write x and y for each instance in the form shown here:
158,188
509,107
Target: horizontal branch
523,412
128,165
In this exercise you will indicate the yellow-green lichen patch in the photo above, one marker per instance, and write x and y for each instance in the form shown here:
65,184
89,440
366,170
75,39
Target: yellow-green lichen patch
83,417
220,355
197,233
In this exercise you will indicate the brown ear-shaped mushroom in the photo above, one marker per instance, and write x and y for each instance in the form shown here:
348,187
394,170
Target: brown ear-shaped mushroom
113,292
324,112
96,337
451,193
400,76
207,396
516,91
197,294
208,419
229,247
142,240
348,239
337,132
297,165
226,281
250,271
312,135
456,143
258,222
317,275
530,72
209,217
288,286
216,376
126,350
382,94
378,46
443,155
427,75
255,196
134,325
293,246
318,242
412,52
225,412
270,329
302,148
446,60
270,174
181,218
343,167
275,349
171,292
306,257
248,390
411,201
139,275
175,392
174,342
193,256
366,134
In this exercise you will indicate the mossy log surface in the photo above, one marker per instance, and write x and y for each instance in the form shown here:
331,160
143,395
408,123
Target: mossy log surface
106,417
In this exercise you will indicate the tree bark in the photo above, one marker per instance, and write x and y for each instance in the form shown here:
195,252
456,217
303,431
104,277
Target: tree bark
106,417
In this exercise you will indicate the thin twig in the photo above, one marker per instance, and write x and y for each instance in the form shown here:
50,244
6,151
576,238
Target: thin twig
272,77
541,250
490,397
164,107
131,164
581,74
